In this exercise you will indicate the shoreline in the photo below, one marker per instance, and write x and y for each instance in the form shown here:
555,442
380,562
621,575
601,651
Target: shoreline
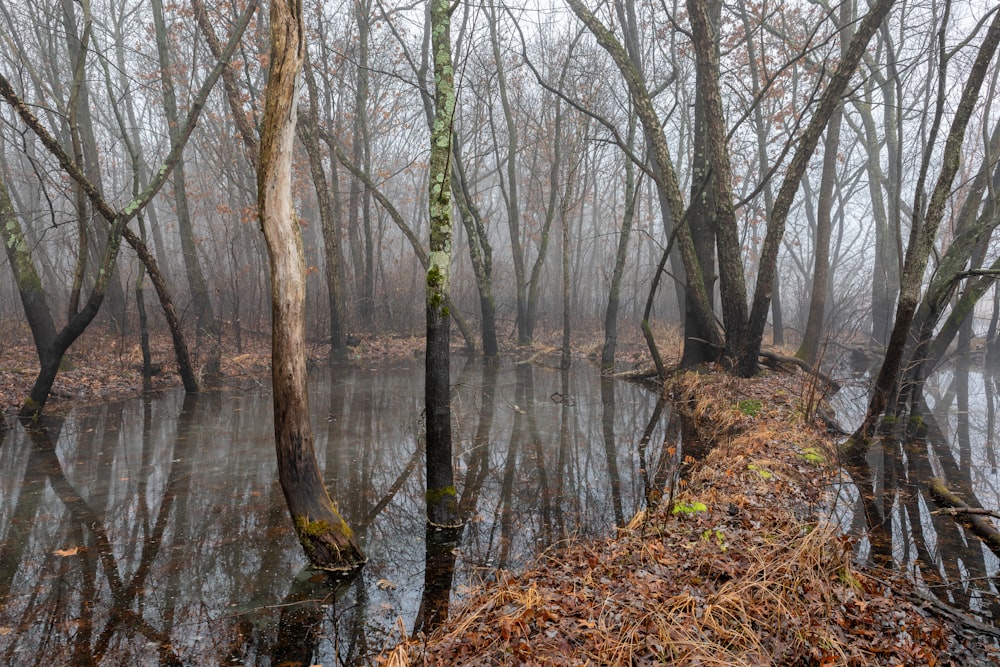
743,567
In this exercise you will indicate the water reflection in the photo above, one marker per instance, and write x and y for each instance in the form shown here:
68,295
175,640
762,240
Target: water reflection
895,512
154,531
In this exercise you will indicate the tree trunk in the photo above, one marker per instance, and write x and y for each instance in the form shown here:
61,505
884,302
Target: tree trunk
327,540
442,498
359,203
85,153
614,290
200,301
309,133
481,254
809,349
923,235
510,192
718,193
565,358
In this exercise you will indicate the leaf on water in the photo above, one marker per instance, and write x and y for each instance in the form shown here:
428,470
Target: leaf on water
72,551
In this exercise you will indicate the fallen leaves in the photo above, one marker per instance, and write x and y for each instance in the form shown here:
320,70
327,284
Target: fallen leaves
71,551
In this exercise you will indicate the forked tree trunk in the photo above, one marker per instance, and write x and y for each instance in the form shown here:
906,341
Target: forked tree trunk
327,540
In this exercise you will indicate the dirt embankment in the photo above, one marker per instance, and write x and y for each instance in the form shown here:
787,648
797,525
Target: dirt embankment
741,568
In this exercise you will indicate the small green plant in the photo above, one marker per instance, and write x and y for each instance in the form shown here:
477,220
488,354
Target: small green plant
750,407
848,578
763,472
688,509
718,535
812,455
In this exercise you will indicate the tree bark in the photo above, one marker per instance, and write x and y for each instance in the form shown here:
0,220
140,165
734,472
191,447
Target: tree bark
325,537
442,498
718,194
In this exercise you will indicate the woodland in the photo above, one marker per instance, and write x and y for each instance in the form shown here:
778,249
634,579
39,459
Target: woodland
797,181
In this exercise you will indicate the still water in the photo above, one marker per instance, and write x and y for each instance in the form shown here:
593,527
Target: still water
888,502
153,531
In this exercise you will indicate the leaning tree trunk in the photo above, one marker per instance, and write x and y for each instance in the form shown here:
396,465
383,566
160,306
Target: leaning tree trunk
327,540
922,236
828,102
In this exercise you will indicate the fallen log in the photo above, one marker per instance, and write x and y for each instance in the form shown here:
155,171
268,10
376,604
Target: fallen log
636,374
955,511
974,521
775,358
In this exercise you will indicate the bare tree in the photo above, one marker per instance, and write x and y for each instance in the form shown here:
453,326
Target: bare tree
52,344
926,221
325,537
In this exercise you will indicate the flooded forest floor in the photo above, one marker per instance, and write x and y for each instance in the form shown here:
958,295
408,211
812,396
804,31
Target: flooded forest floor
735,564
740,567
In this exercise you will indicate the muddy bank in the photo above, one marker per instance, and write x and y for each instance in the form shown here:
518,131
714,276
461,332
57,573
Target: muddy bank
738,567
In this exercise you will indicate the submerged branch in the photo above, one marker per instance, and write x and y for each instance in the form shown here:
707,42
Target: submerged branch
972,520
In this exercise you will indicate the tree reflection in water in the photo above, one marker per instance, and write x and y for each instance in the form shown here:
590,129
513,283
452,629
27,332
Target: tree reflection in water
153,531
896,514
